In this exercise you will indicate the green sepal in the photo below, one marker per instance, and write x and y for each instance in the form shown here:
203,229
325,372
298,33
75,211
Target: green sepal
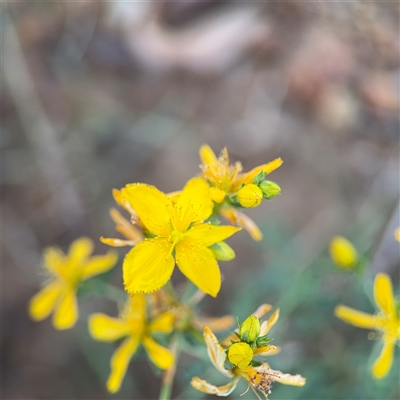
262,341
259,178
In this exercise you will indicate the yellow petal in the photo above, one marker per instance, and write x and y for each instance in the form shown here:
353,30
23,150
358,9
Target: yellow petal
198,264
267,325
287,379
343,252
121,201
265,350
119,363
80,250
148,266
240,219
116,242
66,311
356,318
216,353
107,329
383,294
159,355
136,307
266,168
217,194
42,304
194,204
207,156
208,234
126,227
206,387
99,264
53,259
383,363
216,324
163,323
152,206
262,310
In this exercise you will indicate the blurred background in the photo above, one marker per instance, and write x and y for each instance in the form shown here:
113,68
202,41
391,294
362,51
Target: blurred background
96,95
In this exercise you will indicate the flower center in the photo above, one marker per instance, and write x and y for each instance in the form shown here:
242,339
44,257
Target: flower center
176,236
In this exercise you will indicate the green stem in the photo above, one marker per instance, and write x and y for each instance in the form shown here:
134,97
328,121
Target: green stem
169,375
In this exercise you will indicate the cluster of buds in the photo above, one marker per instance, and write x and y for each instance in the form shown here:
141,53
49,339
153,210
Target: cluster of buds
252,194
240,353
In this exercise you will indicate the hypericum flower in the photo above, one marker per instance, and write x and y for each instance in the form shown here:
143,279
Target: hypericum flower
229,186
386,321
228,178
260,378
175,231
59,294
343,253
132,325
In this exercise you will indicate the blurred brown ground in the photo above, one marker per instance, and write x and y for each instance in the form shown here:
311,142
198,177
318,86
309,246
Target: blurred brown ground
97,95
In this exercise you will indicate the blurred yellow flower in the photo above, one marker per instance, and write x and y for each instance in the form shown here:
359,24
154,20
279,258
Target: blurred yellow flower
386,321
240,354
397,234
176,231
132,325
226,177
59,294
343,253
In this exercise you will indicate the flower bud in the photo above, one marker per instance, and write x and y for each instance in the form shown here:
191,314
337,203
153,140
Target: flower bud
250,196
269,189
223,252
250,329
240,354
343,253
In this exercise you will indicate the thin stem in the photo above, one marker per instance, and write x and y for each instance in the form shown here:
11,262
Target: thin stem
169,375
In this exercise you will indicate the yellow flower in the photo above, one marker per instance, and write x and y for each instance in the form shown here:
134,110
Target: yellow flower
342,252
260,378
397,234
176,231
228,178
59,294
134,327
386,321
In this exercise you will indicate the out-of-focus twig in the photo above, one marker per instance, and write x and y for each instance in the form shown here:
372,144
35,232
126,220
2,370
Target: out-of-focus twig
37,127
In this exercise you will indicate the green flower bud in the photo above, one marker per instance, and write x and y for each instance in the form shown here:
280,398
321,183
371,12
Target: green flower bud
250,329
269,189
223,252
